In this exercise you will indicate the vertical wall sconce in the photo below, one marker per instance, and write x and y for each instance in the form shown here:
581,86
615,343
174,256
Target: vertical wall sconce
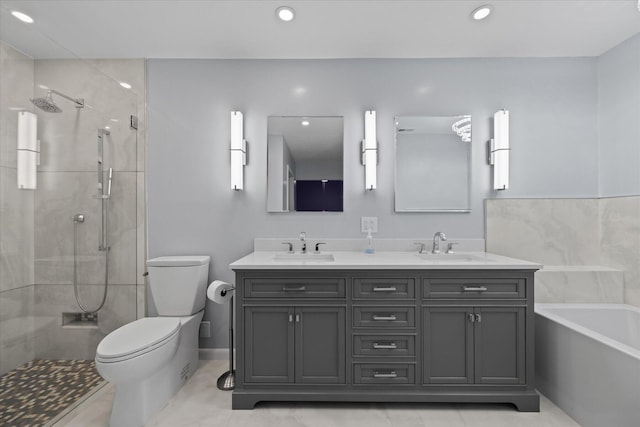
370,151
499,150
28,150
238,151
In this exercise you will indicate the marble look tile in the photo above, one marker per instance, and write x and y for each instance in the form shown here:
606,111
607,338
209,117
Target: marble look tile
548,231
16,87
69,139
620,241
579,285
16,232
132,71
52,341
62,195
200,403
16,328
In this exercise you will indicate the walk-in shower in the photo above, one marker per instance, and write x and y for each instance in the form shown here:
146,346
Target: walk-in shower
48,104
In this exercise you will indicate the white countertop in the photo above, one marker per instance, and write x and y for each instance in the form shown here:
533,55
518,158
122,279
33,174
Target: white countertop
351,260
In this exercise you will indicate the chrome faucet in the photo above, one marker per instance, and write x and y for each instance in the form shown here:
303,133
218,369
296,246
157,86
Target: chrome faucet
303,238
437,238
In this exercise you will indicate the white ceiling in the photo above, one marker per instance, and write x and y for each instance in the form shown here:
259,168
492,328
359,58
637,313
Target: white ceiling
322,29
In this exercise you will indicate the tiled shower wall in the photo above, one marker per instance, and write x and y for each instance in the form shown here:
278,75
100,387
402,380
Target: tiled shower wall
68,185
571,232
36,235
16,217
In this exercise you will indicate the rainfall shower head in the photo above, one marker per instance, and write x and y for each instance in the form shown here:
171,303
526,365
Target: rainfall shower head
48,104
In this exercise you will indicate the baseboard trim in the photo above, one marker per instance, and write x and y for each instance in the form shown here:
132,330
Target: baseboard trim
213,353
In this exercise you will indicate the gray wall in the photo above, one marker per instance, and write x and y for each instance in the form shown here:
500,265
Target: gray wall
192,210
619,119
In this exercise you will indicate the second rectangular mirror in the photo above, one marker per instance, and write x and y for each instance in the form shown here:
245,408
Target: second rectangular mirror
433,164
304,164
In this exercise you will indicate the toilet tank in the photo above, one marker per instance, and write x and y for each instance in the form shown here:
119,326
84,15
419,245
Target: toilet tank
178,284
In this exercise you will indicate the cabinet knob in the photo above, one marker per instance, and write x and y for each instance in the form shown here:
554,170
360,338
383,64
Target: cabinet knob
296,289
472,317
385,289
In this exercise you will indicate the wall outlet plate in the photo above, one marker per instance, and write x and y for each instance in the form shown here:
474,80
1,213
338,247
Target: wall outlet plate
205,329
369,224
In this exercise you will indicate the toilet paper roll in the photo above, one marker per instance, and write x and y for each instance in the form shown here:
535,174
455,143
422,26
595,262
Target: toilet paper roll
220,292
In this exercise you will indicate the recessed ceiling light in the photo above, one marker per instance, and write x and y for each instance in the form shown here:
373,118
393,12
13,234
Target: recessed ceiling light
23,17
481,12
125,85
305,123
285,13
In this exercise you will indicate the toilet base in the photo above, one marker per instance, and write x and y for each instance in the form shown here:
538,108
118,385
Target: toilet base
136,402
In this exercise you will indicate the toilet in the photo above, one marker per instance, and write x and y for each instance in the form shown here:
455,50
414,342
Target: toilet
150,359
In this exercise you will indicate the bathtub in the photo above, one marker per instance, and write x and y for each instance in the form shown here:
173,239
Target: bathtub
588,361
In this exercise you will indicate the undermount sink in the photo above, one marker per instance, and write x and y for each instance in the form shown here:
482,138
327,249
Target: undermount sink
449,257
308,257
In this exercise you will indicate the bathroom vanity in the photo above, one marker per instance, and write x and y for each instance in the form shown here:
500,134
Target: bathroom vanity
384,327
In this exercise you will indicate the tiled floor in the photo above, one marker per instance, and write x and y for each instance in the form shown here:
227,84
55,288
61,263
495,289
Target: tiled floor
36,392
199,403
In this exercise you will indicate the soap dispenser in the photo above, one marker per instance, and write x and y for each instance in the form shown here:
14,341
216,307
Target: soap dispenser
369,249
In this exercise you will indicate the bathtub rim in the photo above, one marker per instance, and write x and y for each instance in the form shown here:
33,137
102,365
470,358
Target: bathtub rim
542,309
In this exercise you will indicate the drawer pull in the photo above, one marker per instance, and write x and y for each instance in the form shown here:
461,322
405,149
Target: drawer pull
390,346
474,288
391,374
387,289
298,289
391,317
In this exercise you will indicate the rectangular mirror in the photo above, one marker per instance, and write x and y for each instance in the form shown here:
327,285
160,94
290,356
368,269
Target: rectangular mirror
304,164
433,164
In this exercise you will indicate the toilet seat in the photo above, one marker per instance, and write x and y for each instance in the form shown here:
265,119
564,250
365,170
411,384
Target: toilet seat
137,338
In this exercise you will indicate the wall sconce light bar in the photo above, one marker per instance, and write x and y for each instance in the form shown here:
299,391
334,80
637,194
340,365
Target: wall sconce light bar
370,151
27,150
238,151
499,150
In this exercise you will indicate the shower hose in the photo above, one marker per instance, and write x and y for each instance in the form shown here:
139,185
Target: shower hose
75,264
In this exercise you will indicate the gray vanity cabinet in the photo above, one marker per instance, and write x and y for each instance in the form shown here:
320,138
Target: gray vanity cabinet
474,345
294,345
374,335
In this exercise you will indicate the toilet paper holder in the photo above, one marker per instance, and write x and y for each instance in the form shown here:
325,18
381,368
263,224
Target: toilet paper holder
221,293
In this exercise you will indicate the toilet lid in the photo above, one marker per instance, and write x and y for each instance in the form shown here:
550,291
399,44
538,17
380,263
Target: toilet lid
178,261
137,336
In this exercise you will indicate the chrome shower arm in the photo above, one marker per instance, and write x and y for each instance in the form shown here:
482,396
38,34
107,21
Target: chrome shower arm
79,102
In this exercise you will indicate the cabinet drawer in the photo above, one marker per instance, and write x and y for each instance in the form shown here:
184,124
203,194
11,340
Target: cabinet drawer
384,373
384,317
295,288
473,288
384,345
385,289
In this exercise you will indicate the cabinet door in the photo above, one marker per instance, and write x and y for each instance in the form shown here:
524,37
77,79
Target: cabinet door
500,345
268,341
320,345
448,345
